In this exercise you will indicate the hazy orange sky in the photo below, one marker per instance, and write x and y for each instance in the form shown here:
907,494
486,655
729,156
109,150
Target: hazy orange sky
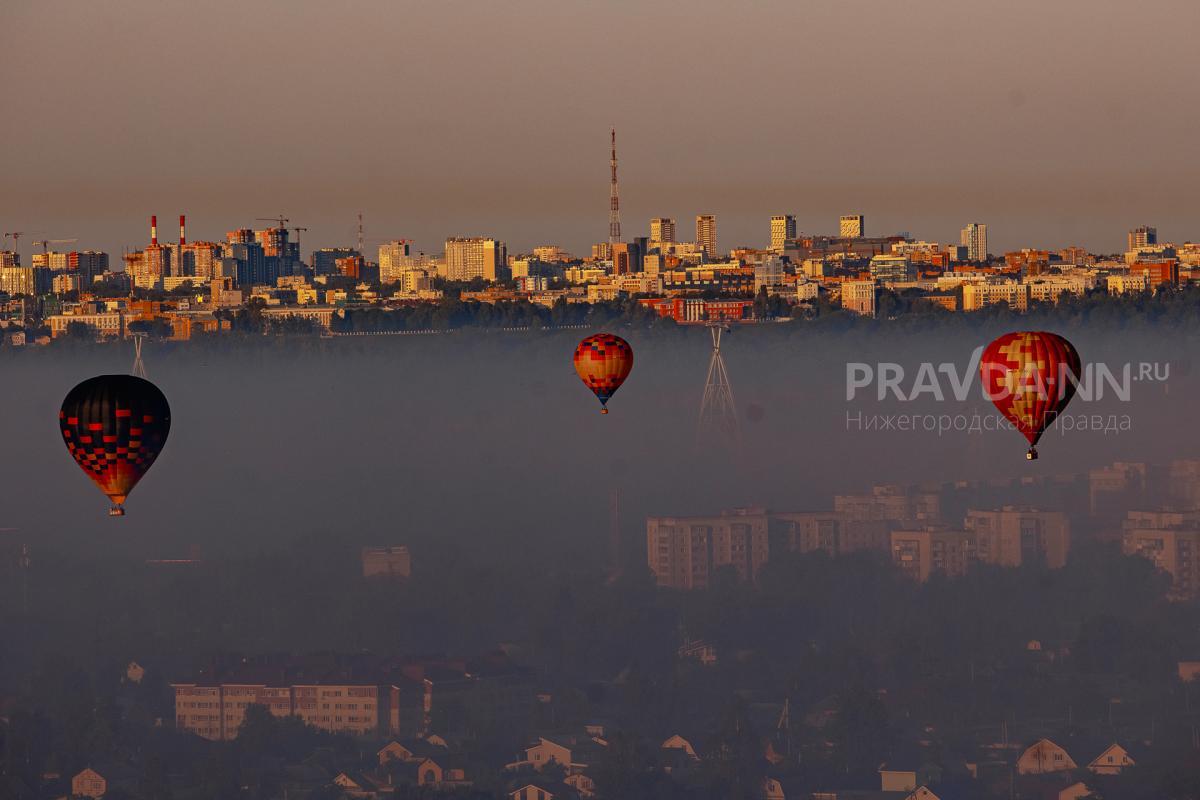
1055,121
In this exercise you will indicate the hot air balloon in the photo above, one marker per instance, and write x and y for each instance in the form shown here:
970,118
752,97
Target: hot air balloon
1030,376
115,426
603,362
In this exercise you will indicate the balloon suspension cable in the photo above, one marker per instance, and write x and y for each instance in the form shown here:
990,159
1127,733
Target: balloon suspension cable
1032,454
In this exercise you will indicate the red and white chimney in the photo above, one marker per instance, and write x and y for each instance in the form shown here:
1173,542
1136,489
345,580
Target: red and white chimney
154,229
182,230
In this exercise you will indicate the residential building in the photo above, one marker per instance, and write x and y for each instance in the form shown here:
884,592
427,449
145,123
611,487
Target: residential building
887,269
974,238
921,553
662,229
831,531
1172,548
890,502
388,562
783,228
1112,761
476,257
324,261
1011,537
394,259
684,552
551,254
1042,757
859,297
626,258
768,274
978,295
1142,236
852,226
706,235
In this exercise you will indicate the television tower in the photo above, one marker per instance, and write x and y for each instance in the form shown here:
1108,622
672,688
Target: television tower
614,202
718,415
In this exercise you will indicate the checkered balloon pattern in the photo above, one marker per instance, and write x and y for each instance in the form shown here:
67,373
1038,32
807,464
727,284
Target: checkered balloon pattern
603,361
114,427
1030,376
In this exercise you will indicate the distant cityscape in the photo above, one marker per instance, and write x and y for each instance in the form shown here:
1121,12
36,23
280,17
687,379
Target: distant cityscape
183,288
1152,511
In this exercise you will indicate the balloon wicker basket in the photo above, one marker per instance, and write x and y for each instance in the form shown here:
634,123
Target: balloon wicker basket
116,511
1031,455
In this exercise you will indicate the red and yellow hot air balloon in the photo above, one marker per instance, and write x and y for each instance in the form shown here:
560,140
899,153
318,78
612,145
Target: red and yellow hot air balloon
1031,377
114,427
603,362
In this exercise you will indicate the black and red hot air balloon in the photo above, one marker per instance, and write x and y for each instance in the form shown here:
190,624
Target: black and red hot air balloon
115,426
1030,376
603,362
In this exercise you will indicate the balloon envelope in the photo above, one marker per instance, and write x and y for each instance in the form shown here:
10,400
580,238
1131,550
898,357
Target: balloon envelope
1030,376
114,427
603,362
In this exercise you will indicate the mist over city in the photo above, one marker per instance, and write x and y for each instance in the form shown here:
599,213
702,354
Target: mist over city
614,401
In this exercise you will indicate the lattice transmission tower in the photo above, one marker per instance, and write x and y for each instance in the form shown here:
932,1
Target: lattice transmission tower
718,414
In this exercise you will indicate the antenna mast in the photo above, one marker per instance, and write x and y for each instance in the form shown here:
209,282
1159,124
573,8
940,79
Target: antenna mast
360,234
614,202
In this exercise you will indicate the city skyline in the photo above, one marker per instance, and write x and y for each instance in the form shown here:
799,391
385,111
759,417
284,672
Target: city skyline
391,137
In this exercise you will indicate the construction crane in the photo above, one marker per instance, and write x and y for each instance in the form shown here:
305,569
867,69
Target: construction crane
45,243
16,235
281,219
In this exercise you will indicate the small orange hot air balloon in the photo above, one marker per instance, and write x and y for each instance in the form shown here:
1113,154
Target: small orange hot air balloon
603,362
1030,376
114,427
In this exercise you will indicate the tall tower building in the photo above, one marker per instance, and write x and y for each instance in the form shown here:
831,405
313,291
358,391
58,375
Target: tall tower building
1142,236
662,229
475,257
852,226
706,234
974,238
783,228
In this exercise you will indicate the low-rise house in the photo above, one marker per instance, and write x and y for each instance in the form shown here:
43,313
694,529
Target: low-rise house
1075,791
1044,756
677,742
88,783
1112,761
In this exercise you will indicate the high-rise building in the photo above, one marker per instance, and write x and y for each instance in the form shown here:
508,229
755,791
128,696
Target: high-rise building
662,229
551,254
852,226
1012,537
240,236
1142,236
9,259
783,228
627,258
393,259
89,264
1172,545
324,260
974,238
475,257
683,553
921,553
706,234
602,251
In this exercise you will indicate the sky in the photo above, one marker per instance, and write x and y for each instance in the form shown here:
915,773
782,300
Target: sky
1057,122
